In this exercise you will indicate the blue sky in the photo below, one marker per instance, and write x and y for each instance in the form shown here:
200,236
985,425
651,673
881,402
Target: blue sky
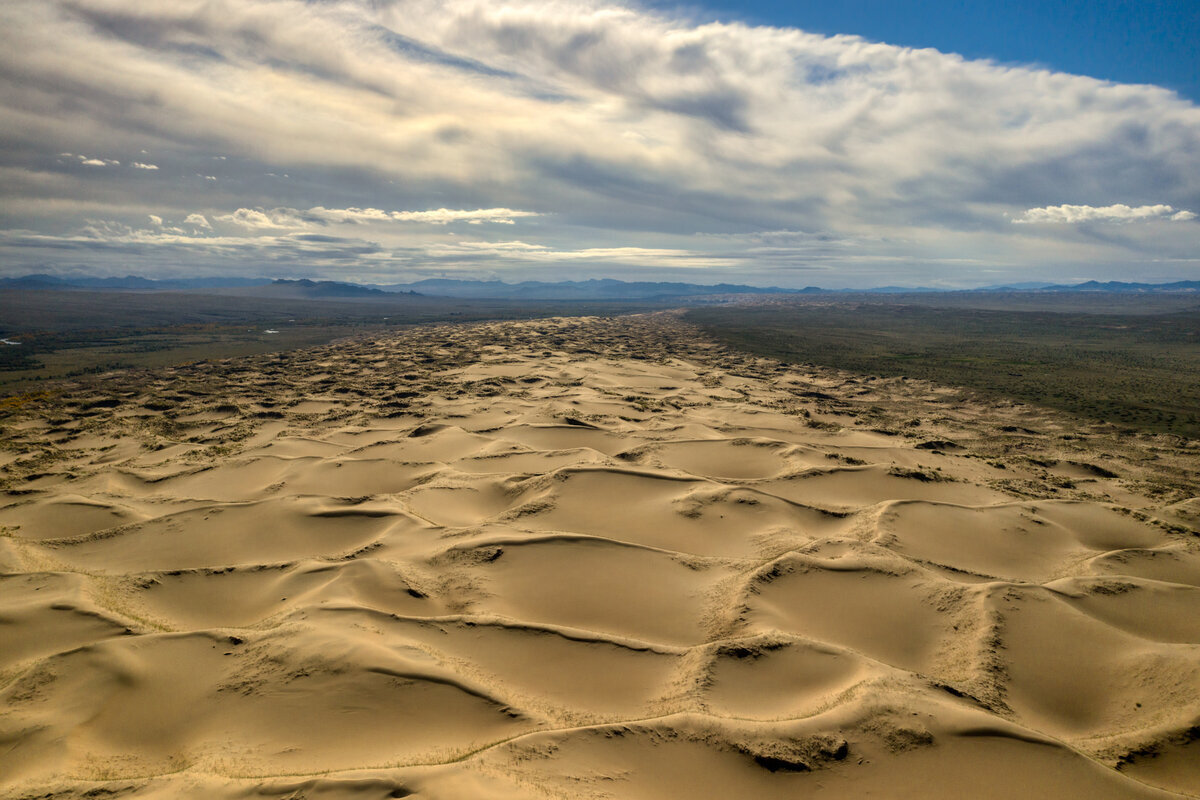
840,145
1129,41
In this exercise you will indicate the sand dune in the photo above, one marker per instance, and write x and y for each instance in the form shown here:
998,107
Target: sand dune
583,559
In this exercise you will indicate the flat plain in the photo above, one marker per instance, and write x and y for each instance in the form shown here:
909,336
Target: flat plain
71,333
1128,359
585,558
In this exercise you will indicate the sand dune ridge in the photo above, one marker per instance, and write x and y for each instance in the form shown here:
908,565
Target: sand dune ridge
585,558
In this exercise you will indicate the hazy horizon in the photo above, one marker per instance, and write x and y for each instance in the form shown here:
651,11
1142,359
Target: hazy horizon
396,141
215,281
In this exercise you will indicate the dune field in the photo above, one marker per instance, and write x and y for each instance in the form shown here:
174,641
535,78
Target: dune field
586,558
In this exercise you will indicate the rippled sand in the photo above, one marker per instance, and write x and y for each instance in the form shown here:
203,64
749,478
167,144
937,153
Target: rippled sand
581,559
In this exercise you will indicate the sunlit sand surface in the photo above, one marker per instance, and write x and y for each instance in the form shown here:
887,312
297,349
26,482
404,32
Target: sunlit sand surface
586,558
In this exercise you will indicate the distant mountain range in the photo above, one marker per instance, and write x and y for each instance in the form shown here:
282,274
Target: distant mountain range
604,289
129,282
1118,286
305,288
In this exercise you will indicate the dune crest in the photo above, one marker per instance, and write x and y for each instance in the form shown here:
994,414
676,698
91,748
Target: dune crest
586,558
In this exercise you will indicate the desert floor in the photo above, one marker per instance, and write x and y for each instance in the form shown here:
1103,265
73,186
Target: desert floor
583,558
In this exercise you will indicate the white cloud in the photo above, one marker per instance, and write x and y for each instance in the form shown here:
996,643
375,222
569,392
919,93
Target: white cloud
155,220
1069,214
198,220
319,215
527,252
636,129
257,218
140,165
354,216
443,216
440,216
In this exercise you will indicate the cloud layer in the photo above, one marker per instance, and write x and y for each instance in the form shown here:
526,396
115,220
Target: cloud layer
618,140
1067,214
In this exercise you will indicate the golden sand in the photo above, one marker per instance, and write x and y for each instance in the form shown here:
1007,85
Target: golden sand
586,558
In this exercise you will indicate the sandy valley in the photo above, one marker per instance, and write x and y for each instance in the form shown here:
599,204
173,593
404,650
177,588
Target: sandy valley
587,558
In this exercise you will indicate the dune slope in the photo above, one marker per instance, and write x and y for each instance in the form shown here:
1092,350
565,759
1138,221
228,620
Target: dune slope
586,558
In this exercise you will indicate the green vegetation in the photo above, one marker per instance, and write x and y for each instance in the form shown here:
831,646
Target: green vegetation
66,334
1139,371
